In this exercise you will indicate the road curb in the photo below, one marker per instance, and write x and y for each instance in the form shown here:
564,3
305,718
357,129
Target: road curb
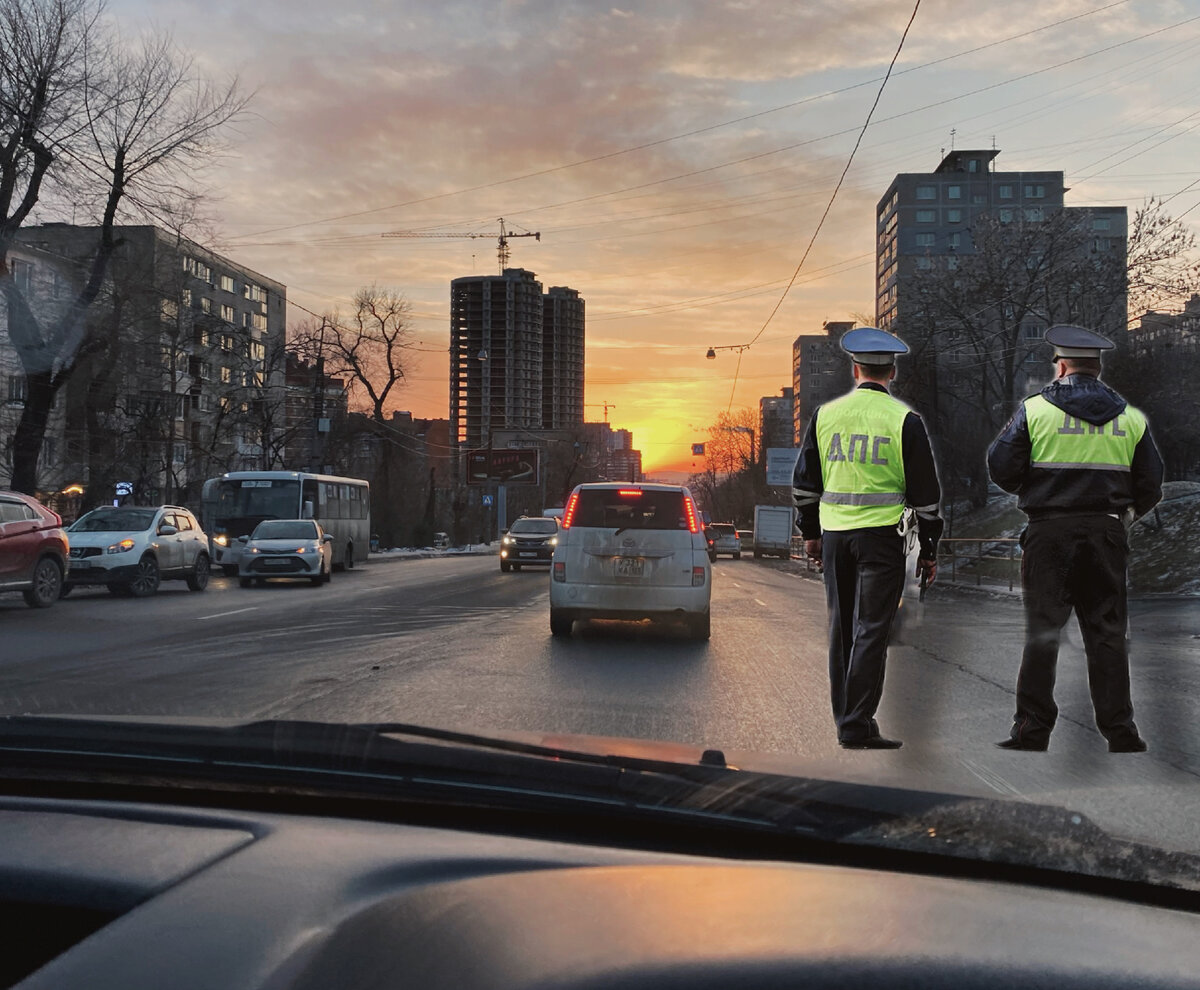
391,558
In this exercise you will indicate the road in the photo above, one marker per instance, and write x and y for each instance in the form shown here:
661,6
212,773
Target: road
453,643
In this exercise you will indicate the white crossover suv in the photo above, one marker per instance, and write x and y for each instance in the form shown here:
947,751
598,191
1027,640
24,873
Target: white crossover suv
631,551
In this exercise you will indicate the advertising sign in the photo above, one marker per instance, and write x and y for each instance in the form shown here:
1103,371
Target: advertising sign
781,462
504,467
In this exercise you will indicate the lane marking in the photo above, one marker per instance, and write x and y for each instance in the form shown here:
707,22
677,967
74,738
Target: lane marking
993,779
221,615
762,603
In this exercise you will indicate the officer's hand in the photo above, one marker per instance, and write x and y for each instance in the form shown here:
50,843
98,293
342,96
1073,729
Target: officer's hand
813,549
930,569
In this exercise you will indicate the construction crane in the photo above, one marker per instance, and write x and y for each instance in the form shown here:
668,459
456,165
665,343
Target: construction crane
606,405
502,240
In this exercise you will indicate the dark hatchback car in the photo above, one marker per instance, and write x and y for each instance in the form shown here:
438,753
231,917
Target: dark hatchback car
33,549
530,540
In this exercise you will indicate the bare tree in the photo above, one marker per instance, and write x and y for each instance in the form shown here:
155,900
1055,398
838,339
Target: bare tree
122,129
369,350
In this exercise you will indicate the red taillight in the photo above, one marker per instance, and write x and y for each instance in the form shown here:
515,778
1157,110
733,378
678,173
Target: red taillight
629,492
560,571
569,511
690,509
697,577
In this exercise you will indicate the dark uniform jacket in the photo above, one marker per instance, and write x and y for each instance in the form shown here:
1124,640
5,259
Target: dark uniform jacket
922,490
1044,493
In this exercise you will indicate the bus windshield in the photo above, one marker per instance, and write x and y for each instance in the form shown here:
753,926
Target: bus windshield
258,499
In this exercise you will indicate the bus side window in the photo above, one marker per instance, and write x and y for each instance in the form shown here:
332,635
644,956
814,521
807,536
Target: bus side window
310,501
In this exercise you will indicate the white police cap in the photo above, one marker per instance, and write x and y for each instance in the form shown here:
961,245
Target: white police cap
1076,342
869,345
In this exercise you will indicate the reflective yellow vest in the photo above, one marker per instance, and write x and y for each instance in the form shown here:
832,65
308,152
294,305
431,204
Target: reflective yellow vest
862,460
1062,442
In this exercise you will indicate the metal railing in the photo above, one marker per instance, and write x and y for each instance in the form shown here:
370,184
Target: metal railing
982,555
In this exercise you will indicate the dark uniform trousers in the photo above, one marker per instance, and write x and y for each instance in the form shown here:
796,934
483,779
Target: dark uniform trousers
864,578
1075,562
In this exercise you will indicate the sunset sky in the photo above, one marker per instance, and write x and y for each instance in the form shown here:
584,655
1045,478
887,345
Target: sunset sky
676,157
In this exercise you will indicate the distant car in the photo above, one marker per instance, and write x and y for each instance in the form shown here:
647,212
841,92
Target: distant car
131,549
529,540
286,548
631,551
33,550
723,538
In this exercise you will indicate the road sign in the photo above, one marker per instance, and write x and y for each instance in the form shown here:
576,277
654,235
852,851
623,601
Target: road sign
697,450
487,501
781,463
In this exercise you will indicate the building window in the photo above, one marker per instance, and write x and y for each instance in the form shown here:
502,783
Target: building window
926,216
205,304
227,314
973,165
978,199
952,264
1033,213
1101,243
1006,216
226,283
925,240
954,192
22,272
1006,192
226,375
926,192
187,297
1035,192
1101,223
924,263
18,389
953,241
954,216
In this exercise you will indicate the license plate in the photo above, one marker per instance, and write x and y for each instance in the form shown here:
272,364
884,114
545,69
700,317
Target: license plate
277,562
80,565
527,553
631,566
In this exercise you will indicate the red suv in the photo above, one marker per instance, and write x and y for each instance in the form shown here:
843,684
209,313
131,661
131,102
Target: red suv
33,549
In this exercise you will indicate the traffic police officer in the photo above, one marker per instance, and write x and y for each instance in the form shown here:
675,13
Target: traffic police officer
1083,465
865,457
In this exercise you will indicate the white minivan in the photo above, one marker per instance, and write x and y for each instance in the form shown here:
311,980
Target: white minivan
631,551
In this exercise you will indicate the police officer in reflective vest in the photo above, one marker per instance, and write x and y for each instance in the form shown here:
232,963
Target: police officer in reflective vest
865,457
1083,465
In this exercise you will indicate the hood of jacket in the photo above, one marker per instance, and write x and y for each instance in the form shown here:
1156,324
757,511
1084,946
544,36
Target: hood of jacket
1084,397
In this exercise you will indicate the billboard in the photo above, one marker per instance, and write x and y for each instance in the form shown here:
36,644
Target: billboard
518,466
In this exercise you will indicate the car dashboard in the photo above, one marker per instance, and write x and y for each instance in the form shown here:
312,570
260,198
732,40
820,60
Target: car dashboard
112,894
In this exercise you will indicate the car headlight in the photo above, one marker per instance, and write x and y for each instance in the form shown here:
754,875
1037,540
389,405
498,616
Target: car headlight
553,541
221,540
252,550
123,547
507,541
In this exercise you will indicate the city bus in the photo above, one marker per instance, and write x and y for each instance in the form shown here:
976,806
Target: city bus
233,504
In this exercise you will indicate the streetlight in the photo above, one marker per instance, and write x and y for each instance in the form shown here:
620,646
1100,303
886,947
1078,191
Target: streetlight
711,354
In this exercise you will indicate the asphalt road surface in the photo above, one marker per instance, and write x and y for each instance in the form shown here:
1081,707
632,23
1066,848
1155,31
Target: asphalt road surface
454,643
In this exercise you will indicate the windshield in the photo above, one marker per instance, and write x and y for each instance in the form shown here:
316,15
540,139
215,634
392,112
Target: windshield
285,529
545,527
409,277
631,509
257,499
114,520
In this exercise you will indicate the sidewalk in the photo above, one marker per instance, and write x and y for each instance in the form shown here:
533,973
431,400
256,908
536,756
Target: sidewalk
428,553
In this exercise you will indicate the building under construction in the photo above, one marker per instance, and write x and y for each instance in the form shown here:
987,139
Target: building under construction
516,356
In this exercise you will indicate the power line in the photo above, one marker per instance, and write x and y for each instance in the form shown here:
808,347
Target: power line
833,196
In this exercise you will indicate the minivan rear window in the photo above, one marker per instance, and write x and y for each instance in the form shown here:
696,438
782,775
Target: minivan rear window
609,508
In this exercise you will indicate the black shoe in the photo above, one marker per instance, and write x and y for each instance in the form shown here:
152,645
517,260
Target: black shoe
1135,745
1024,744
871,742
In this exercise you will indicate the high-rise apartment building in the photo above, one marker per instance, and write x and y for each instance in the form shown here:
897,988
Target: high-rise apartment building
496,347
925,217
562,358
820,372
776,421
516,356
